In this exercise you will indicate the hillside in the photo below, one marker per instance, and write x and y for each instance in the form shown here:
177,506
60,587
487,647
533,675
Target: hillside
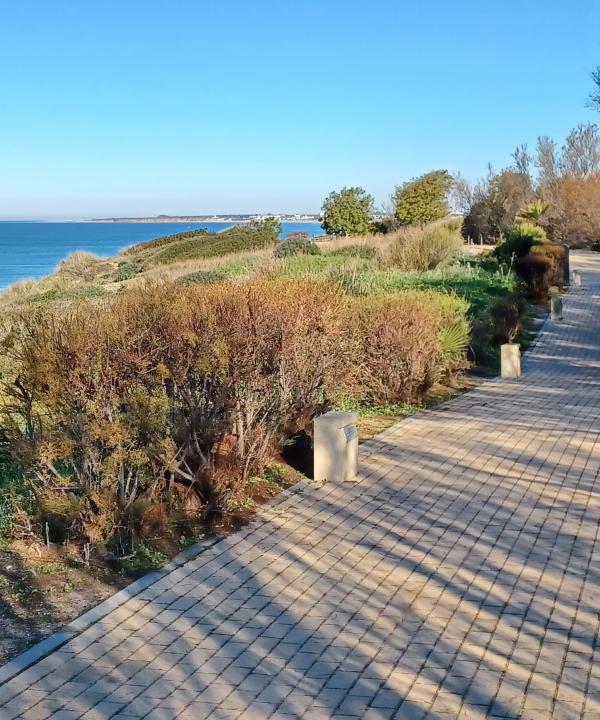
85,275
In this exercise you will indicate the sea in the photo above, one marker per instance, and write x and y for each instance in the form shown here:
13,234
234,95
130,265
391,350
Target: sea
29,250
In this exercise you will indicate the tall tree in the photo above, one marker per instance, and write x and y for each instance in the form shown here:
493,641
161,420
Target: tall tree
347,212
423,199
580,155
522,159
546,160
594,97
461,194
497,200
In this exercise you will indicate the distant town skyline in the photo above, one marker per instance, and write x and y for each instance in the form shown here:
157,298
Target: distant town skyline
142,108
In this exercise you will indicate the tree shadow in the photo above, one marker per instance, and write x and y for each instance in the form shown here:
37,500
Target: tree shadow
457,574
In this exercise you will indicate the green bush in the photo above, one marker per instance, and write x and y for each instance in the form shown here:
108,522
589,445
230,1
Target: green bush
296,245
304,266
87,292
518,242
234,240
347,212
165,240
201,276
127,270
424,199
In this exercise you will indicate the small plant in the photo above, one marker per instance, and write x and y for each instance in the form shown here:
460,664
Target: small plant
127,270
50,568
454,340
145,558
276,473
243,504
202,277
296,245
533,212
70,585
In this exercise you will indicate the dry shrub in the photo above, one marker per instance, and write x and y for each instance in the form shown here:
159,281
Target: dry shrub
399,353
170,397
80,265
426,248
558,257
573,214
166,388
537,272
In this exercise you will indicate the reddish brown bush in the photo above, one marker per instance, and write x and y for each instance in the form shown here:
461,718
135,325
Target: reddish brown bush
537,272
399,353
557,256
171,397
573,215
167,390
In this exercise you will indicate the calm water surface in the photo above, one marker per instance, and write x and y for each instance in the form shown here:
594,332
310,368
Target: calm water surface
33,249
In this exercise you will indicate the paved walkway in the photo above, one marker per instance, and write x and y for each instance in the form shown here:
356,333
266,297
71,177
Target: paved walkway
458,577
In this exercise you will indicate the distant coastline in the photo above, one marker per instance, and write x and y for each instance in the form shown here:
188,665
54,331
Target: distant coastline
33,249
237,219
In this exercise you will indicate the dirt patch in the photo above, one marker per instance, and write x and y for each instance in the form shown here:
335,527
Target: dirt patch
40,591
44,587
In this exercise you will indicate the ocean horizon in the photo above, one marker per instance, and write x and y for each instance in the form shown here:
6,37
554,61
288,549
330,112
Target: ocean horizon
30,249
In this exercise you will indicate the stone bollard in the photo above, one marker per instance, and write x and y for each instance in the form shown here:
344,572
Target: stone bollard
335,446
510,360
556,307
576,277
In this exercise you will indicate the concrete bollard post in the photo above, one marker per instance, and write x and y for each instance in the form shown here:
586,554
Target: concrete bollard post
576,277
510,360
335,446
556,307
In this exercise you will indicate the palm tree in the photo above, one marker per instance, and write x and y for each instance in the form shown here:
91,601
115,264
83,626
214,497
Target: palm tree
533,212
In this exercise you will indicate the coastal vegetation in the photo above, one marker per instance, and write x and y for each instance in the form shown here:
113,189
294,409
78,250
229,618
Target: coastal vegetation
148,398
562,181
211,354
423,199
347,212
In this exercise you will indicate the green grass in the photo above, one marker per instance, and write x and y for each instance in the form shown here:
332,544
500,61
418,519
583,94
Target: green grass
301,266
478,287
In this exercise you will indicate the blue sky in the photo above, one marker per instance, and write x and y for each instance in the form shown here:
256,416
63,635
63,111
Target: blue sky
197,106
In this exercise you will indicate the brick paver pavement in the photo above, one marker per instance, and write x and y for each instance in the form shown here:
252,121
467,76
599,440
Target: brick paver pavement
457,577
